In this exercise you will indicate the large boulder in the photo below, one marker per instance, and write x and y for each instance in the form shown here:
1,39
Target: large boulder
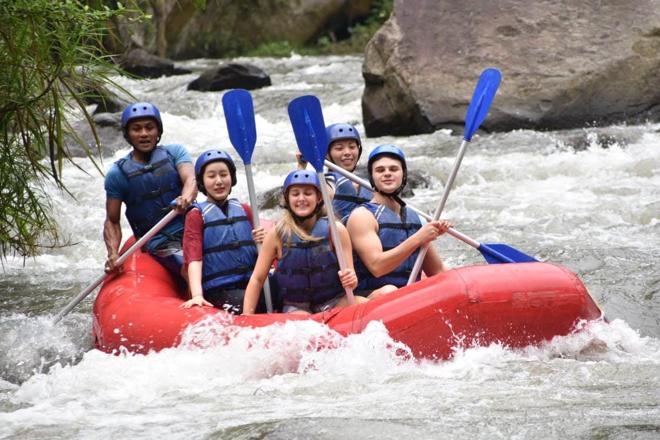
141,63
564,64
231,76
230,26
108,129
97,93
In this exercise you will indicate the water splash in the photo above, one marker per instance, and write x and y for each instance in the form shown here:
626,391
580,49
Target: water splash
33,345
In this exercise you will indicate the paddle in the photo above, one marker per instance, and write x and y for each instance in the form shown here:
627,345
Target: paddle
492,252
137,245
477,110
308,126
239,114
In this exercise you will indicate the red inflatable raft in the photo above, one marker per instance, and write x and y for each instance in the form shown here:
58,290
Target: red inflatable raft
514,304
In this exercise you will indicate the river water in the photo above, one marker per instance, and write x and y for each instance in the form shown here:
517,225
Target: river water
587,199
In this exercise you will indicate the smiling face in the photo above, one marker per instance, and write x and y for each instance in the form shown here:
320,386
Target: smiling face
143,134
345,153
303,199
217,181
387,174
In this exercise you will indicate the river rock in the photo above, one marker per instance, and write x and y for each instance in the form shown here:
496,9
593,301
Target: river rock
615,136
416,179
95,93
228,26
108,130
106,101
269,199
564,64
141,63
231,76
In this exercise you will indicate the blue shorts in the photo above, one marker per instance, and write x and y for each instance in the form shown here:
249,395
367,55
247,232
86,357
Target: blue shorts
170,256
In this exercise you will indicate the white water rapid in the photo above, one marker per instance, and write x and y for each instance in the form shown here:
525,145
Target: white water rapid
586,199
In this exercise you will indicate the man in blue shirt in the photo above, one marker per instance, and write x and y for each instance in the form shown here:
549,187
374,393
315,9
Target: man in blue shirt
147,180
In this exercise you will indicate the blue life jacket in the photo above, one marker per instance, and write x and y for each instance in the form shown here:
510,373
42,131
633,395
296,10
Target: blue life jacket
307,272
346,197
151,189
229,250
392,231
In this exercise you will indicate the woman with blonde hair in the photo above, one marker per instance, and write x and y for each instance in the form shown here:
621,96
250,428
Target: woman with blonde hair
307,273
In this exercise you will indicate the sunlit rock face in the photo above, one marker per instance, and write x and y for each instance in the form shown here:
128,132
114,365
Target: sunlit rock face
564,64
229,26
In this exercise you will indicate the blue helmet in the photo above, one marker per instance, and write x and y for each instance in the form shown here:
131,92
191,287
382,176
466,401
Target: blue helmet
391,151
140,110
343,130
206,158
301,177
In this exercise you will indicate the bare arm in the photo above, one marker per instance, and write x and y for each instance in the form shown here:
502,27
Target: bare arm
112,232
300,162
331,191
258,235
192,248
265,259
363,229
189,190
195,283
195,279
433,264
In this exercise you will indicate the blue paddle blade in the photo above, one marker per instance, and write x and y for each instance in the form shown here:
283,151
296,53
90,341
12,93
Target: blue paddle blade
239,114
308,126
502,253
482,97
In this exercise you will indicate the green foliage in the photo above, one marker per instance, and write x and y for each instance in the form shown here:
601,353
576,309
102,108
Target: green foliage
361,33
200,4
274,49
49,49
23,213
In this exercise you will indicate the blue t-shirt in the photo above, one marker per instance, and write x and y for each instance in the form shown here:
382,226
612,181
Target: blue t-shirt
117,187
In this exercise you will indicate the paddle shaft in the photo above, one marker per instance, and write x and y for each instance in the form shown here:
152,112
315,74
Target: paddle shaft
239,115
122,258
336,240
422,252
256,223
451,231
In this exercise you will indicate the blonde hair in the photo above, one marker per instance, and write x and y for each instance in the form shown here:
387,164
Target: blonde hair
287,226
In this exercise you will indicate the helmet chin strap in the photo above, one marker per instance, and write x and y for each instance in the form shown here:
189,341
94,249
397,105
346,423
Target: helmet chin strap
394,195
398,199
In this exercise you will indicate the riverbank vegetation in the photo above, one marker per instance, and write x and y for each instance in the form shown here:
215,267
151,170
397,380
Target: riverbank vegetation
49,49
353,42
55,61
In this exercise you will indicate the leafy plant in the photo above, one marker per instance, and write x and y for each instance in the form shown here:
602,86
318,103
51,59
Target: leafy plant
360,34
49,49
